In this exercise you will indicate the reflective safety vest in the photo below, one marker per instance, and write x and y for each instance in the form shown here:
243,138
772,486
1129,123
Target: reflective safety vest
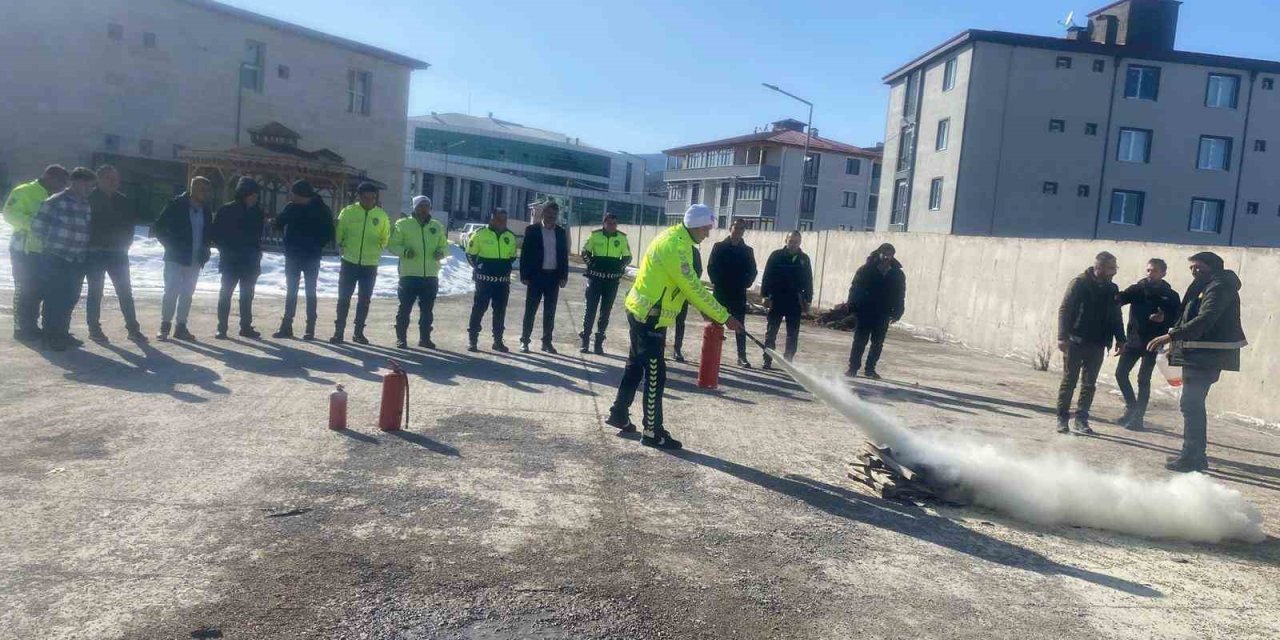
492,254
606,254
19,210
423,241
667,279
362,235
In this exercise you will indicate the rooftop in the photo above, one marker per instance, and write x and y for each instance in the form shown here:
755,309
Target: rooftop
491,124
786,137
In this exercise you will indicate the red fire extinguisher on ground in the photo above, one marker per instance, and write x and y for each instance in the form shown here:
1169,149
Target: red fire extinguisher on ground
338,409
709,367
395,399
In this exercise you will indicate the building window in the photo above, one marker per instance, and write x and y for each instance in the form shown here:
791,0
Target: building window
1082,191
111,142
359,85
1223,91
805,225
1251,208
1091,128
812,165
906,142
757,191
901,204
429,186
1057,126
677,192
1268,84
1134,146
935,194
1206,215
145,147
852,166
1126,207
251,65
282,72
1141,82
944,135
148,40
757,155
695,193
724,194
1215,154
949,75
1063,62
115,31
1099,66
873,203
850,200
1260,145
1049,189
808,199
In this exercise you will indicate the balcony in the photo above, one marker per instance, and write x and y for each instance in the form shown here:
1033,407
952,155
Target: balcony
766,171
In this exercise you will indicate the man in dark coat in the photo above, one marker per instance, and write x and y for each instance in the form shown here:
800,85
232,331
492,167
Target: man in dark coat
110,234
732,267
1088,320
1153,306
183,229
677,343
308,228
1206,340
544,269
237,233
787,287
877,298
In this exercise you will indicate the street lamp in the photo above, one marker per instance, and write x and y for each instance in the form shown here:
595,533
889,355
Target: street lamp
808,135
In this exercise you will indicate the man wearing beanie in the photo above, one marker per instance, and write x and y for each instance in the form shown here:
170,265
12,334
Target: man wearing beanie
420,242
363,232
237,234
665,280
307,224
877,297
1205,341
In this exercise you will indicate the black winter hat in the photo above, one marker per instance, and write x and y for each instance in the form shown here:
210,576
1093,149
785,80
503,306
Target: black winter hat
1210,258
366,187
246,187
302,188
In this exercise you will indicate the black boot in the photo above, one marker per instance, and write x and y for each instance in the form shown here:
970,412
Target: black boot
96,335
1129,410
250,333
311,332
599,344
500,346
163,335
1184,464
1064,424
286,331
401,341
586,342
547,347
1137,422
358,336
678,356
473,342
424,341
221,334
524,346
136,336
180,333
1081,425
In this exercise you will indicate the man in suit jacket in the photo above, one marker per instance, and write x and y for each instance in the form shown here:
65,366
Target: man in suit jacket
544,269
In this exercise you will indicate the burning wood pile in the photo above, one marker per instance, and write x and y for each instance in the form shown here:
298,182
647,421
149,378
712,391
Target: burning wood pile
880,474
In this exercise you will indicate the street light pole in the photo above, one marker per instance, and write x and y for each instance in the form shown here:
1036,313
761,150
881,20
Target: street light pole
808,136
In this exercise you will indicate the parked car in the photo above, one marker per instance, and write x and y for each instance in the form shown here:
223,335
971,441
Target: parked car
467,229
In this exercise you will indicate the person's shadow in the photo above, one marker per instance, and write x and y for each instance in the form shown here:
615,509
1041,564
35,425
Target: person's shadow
152,371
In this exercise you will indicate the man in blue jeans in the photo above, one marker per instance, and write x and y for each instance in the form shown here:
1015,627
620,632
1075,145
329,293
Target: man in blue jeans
308,228
62,228
1205,341
110,235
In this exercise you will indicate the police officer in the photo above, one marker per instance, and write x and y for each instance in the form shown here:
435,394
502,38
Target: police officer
607,254
666,279
787,288
492,251
420,242
24,250
363,232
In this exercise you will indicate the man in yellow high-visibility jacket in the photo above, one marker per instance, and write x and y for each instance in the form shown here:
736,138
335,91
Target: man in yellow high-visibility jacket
24,249
665,281
363,231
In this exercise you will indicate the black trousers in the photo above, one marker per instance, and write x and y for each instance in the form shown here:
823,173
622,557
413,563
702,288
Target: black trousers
487,293
736,303
350,278
1195,422
1130,357
60,285
601,293
300,269
544,288
679,326
245,277
114,264
647,365
775,318
1083,361
422,291
872,329
26,290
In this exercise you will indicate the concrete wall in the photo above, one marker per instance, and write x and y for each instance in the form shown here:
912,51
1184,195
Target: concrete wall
1001,294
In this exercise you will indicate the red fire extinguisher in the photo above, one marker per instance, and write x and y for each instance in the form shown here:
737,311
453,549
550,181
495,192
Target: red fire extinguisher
338,409
395,399
709,367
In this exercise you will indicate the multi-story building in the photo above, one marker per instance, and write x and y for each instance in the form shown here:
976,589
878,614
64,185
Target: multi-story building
470,165
1109,133
757,177
135,82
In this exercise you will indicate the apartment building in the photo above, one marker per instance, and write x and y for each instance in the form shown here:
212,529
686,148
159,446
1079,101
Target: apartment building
757,177
1108,132
136,82
469,165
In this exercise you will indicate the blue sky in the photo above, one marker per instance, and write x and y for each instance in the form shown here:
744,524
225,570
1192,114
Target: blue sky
649,75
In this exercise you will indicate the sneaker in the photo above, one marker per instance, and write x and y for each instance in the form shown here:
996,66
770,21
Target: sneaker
98,336
677,356
1064,425
621,423
283,334
660,439
137,336
163,334
426,343
180,332
359,338
500,347
768,366
1187,465
221,334
744,363
250,333
871,373
547,347
524,346
1081,425
337,339
401,343
309,336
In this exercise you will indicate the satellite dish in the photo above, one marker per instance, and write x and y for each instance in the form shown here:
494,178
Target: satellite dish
1069,21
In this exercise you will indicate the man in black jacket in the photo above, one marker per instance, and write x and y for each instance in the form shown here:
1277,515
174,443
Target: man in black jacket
110,234
544,269
787,288
732,268
877,298
237,233
1088,320
677,351
1206,340
183,229
1153,306
308,228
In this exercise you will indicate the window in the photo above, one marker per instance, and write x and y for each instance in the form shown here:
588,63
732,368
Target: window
812,165
909,96
282,72
251,65
1206,215
359,83
805,225
1049,188
1251,208
852,166
145,147
677,192
695,193
1134,146
808,198
1215,154
450,191
1091,128
1268,84
757,191
673,162
901,204
757,155
944,133
1064,62
1259,145
1099,66
935,194
724,194
906,142
1126,207
1141,83
111,142
1057,126
1223,91
115,31
429,186
1082,191
148,40
949,75
873,203
850,200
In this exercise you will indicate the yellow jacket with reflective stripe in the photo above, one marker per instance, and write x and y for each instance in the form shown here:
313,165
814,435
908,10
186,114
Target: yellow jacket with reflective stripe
425,241
491,253
362,235
606,255
21,207
667,279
